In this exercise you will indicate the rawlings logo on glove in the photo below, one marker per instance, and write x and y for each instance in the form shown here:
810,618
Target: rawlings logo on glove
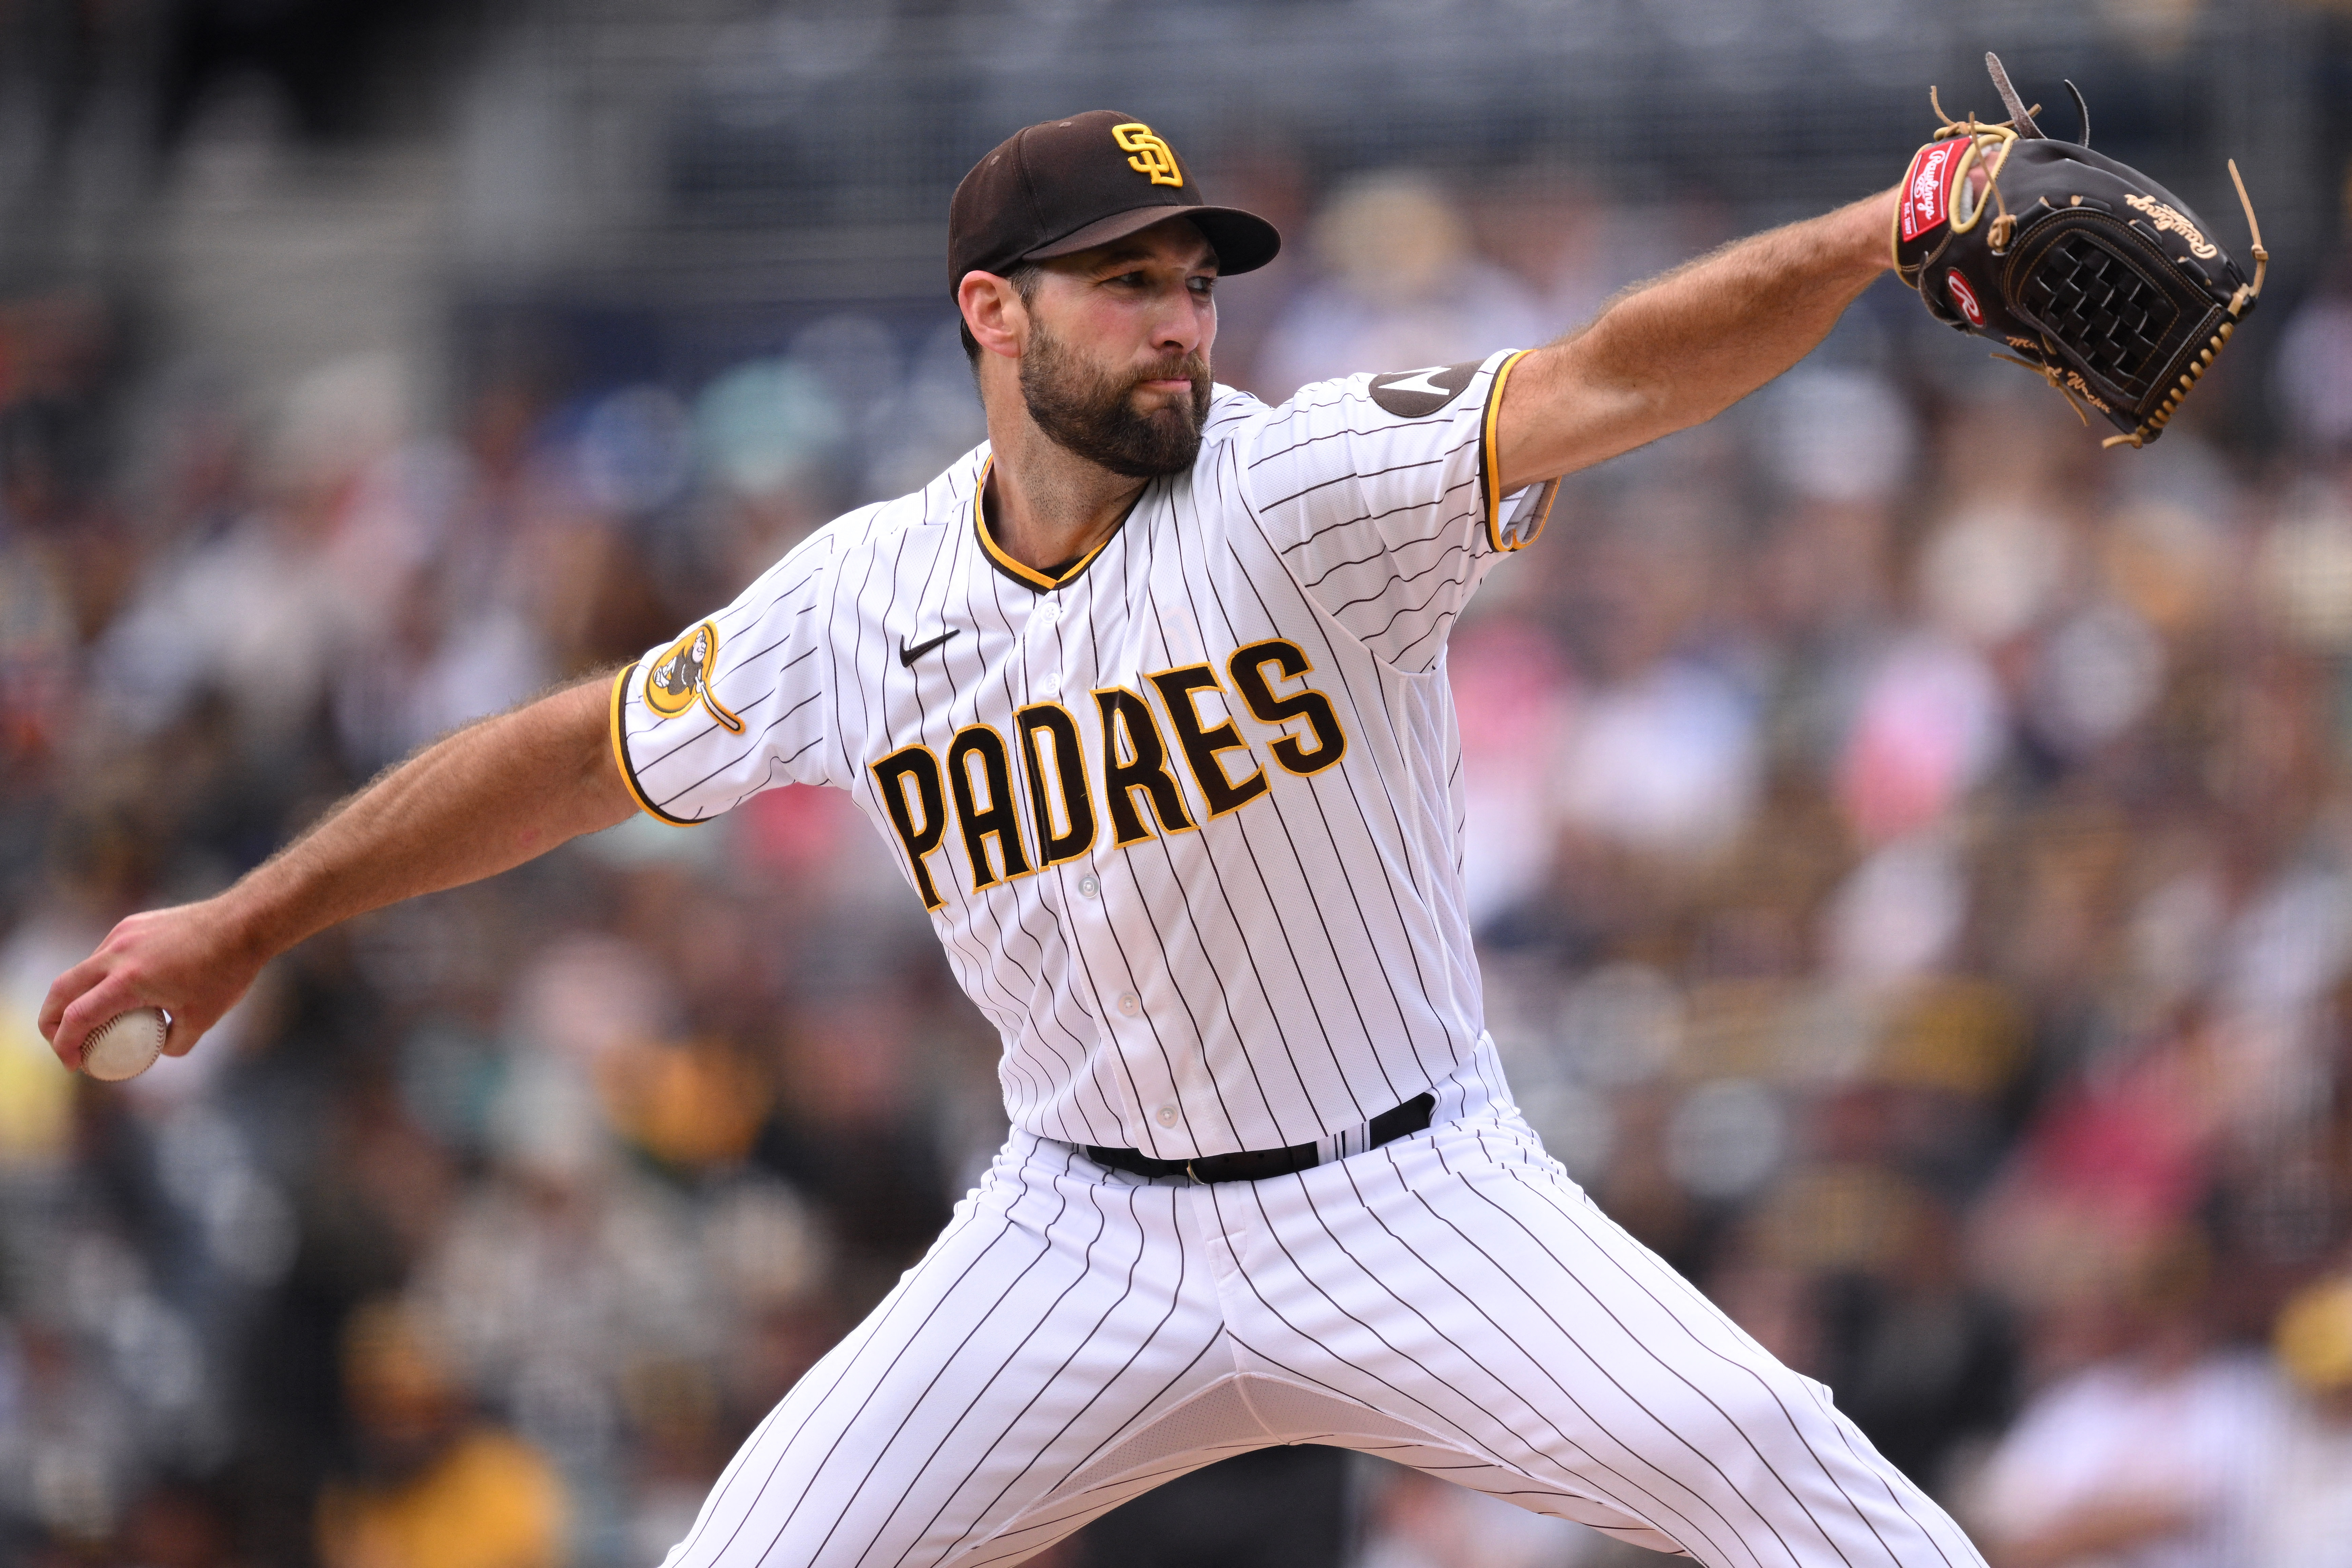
1964,297
1924,192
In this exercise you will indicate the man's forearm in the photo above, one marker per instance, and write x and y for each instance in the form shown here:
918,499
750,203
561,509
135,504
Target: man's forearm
1684,347
472,804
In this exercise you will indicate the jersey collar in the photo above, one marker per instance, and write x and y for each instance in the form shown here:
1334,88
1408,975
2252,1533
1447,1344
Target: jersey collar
1029,577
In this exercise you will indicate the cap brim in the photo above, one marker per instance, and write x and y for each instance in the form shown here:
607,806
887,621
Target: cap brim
1242,240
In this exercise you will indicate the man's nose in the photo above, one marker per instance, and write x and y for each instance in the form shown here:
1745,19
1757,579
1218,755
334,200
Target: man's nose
1179,328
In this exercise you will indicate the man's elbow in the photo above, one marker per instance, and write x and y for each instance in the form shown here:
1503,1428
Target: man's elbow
574,727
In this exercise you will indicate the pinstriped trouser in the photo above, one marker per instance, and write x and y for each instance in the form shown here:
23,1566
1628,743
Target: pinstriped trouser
1451,1301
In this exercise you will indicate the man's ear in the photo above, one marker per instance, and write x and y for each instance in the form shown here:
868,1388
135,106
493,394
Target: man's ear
993,314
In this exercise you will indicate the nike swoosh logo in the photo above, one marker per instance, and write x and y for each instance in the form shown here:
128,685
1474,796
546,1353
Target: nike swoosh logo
907,656
1418,380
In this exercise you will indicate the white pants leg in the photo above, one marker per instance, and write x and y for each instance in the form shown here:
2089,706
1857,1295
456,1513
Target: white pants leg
1055,1312
1459,1284
1451,1301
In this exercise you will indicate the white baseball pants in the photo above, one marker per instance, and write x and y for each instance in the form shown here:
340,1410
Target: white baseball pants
1450,1301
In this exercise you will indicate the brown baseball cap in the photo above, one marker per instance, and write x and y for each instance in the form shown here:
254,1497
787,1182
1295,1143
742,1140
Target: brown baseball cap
1065,185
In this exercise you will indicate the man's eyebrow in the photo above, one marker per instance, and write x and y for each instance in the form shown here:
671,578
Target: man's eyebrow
1119,253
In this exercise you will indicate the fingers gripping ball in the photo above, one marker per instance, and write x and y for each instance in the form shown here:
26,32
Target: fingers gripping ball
2099,280
124,1046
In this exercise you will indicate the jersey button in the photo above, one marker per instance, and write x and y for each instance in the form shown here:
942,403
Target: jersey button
1089,887
1129,1005
1167,1114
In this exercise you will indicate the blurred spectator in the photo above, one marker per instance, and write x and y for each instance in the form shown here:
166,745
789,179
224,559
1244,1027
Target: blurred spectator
2314,370
262,613
430,1487
1662,756
1401,288
564,1280
2155,1455
2305,1505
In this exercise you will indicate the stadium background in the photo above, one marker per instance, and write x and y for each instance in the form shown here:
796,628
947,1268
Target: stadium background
1913,849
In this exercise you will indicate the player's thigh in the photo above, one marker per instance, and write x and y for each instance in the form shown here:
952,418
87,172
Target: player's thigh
1460,1282
1053,1315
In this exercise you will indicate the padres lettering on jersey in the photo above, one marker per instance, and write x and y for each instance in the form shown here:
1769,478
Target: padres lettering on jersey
1132,755
1187,818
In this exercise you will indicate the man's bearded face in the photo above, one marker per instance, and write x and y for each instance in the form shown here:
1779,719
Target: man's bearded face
1091,410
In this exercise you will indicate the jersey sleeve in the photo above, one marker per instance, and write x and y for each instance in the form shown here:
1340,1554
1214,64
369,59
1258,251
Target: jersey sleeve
738,703
1379,493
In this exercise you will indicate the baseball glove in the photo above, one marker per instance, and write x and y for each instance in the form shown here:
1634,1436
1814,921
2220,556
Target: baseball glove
2103,282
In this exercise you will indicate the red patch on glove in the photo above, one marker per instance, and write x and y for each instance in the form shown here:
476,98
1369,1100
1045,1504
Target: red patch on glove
1927,188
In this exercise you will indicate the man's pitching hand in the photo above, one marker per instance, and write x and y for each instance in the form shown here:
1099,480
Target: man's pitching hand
190,961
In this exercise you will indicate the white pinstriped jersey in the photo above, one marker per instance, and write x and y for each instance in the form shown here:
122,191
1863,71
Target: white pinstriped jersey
1187,816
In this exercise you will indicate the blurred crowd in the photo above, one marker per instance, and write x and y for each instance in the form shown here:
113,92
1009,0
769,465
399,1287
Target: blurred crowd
1911,849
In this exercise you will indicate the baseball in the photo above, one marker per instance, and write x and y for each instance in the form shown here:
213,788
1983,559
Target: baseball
124,1046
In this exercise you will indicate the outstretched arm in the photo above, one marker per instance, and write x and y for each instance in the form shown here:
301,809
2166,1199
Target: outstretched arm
1684,347
474,804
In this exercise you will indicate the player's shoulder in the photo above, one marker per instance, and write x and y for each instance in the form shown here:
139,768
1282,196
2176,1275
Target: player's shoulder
1231,411
884,525
876,527
1371,399
1399,404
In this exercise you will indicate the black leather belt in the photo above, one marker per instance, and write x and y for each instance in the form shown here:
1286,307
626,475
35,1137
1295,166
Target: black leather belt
1256,1164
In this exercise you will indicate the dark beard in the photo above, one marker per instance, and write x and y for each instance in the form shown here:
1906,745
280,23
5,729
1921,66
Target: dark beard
1088,411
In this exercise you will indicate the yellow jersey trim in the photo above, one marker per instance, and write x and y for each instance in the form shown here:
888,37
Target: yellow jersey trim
1490,466
620,757
1026,575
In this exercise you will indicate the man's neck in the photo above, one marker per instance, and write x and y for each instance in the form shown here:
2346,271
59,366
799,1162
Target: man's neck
1046,505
